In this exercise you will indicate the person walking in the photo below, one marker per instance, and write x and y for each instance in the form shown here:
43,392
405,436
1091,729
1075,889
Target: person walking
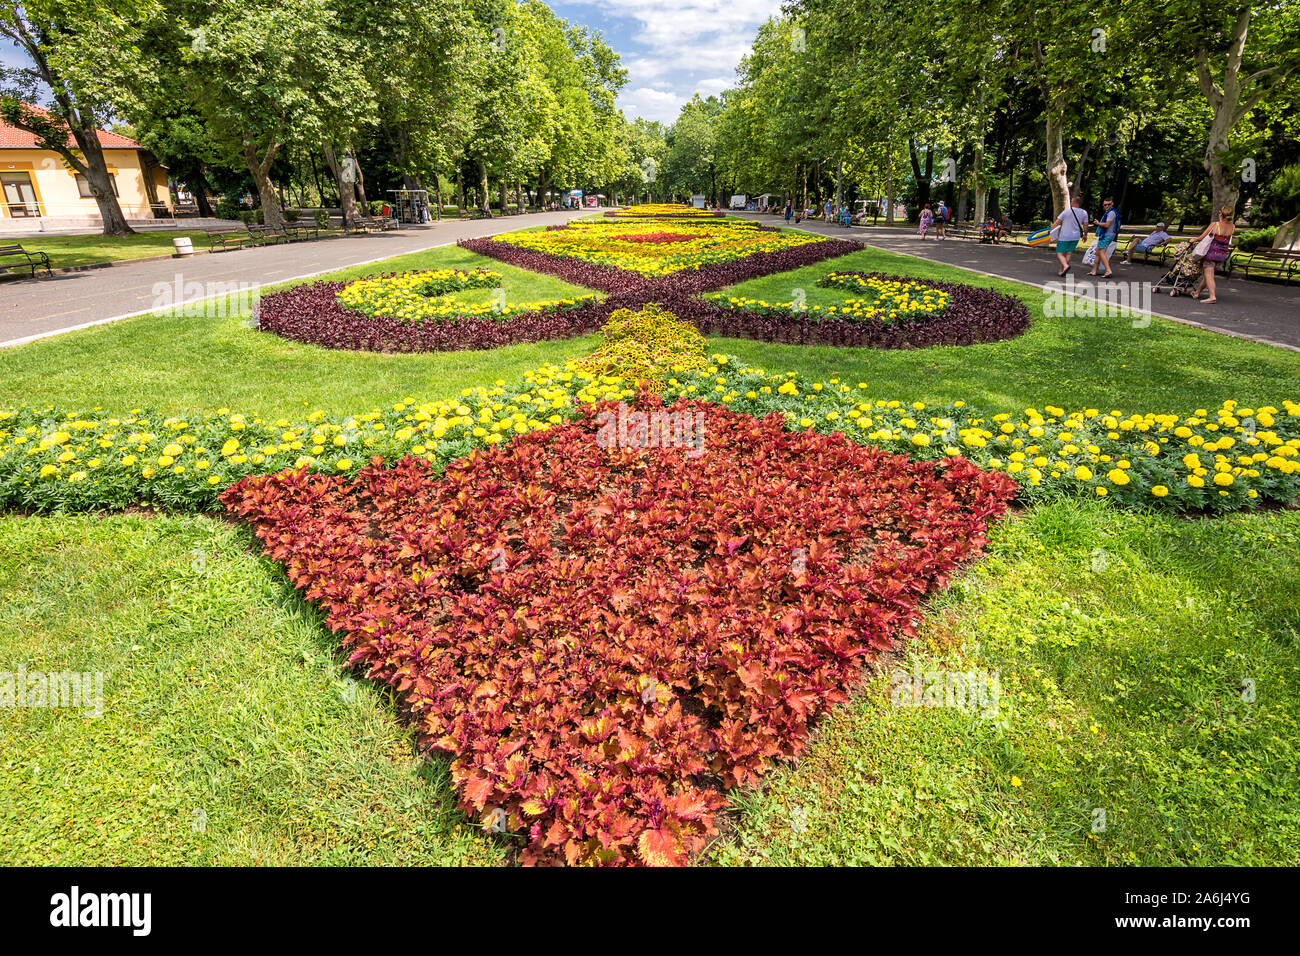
941,221
1067,231
830,210
1220,235
1107,234
789,209
926,221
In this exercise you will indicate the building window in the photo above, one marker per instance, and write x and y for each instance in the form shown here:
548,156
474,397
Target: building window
19,195
83,186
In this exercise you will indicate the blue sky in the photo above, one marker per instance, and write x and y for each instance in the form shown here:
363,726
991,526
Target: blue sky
670,48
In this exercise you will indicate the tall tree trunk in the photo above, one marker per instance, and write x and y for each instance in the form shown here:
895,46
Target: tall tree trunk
84,127
890,197
260,169
360,184
1057,169
504,197
461,208
521,202
839,185
347,194
486,189
1227,109
198,183
981,188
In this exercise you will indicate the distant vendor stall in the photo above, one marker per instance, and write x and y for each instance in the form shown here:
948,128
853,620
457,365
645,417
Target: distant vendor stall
411,205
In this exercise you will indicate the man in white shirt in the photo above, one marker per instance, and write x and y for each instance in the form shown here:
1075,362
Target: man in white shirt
1068,230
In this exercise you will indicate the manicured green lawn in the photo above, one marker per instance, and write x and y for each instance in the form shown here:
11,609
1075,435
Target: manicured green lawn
66,251
182,364
1123,642
1072,362
1123,645
229,735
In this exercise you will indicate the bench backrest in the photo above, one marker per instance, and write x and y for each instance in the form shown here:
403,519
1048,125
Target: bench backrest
14,250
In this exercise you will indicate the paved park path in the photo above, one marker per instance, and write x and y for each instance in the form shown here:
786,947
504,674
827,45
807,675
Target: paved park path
1266,312
37,308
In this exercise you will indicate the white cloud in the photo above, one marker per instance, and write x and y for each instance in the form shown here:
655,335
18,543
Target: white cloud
682,45
651,104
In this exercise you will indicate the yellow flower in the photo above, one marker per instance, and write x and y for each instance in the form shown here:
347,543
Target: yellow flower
1159,490
343,464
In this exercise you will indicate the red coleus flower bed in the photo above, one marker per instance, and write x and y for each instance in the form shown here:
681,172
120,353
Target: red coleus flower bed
312,313
657,237
607,626
642,288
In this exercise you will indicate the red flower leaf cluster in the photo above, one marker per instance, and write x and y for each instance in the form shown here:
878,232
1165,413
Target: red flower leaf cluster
657,237
606,628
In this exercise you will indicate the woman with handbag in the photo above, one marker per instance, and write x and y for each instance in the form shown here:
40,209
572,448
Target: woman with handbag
1067,231
1213,246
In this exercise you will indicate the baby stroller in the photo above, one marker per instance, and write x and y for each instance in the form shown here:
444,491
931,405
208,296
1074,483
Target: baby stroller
989,231
1184,270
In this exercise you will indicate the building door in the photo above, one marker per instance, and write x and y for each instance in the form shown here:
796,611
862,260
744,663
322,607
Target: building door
20,196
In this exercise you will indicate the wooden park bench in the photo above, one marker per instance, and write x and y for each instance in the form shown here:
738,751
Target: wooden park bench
14,256
229,239
1157,256
267,235
1282,264
368,224
299,231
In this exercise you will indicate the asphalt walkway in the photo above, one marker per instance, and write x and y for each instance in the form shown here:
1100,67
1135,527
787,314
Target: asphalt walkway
1262,311
37,308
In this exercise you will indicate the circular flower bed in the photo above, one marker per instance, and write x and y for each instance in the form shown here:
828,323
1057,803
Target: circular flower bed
898,313
422,312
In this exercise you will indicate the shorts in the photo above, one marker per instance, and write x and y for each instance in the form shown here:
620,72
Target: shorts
1067,245
1105,242
1143,247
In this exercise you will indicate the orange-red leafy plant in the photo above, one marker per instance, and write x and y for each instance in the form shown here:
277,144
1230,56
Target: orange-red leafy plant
606,631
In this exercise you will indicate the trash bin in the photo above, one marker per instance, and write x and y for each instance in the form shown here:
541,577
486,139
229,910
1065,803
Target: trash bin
183,246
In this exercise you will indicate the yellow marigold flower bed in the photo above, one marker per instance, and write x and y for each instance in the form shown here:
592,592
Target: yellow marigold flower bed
414,297
686,245
641,344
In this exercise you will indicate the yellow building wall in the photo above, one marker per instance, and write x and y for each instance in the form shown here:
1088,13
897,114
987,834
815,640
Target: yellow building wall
56,187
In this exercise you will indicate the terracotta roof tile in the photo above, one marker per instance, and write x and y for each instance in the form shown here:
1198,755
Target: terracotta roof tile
13,138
